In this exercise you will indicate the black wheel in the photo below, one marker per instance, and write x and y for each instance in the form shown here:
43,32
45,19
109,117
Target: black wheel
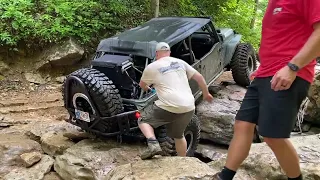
192,135
243,63
104,97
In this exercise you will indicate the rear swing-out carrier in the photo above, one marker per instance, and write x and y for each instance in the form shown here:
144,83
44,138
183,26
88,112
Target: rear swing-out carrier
122,118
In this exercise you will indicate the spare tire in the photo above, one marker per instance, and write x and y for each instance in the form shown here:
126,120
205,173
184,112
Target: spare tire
191,133
103,94
243,63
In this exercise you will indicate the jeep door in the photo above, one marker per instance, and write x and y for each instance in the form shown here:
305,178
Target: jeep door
193,84
211,62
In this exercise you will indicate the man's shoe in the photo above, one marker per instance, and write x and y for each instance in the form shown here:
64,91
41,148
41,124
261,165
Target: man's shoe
152,150
216,177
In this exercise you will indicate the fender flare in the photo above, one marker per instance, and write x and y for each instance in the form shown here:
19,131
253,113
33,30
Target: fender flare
231,46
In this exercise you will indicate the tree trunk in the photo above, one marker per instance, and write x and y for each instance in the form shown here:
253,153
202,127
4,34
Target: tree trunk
253,20
155,8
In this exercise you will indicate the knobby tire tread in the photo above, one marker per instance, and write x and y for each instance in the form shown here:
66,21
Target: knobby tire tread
239,64
104,94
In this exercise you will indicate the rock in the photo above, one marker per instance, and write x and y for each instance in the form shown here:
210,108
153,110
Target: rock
60,79
34,78
211,152
77,136
214,89
64,54
37,129
8,122
30,159
3,67
217,118
11,147
172,168
52,176
36,172
262,164
312,112
55,143
93,159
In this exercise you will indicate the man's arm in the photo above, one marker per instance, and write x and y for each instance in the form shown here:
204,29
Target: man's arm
201,82
146,79
195,75
284,78
144,86
310,50
309,10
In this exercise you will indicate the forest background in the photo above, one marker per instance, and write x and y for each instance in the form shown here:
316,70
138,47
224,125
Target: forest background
34,24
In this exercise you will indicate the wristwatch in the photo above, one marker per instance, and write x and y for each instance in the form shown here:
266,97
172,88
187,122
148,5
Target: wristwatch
293,67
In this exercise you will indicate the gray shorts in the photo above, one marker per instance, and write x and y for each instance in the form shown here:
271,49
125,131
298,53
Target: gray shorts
175,123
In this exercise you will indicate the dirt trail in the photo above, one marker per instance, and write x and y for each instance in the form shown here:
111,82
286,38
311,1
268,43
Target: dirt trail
44,104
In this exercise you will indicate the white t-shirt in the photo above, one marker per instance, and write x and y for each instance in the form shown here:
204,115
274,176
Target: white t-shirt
169,77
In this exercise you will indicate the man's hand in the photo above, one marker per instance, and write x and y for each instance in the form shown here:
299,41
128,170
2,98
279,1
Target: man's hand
252,75
283,79
208,97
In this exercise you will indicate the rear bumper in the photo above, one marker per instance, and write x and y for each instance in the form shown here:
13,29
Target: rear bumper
121,119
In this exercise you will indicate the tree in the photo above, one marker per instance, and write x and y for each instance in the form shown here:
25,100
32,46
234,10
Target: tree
155,7
253,20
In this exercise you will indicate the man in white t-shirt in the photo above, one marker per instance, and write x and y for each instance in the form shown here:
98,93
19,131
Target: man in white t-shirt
175,107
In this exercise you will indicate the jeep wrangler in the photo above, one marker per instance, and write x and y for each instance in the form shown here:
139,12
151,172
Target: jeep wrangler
105,98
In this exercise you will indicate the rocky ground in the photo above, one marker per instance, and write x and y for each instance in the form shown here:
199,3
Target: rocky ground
36,143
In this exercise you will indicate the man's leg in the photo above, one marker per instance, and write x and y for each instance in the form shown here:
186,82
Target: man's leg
278,115
181,146
244,126
146,124
240,144
147,130
153,144
176,130
286,155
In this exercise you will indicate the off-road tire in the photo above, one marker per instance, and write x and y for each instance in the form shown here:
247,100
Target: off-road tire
104,94
192,131
243,63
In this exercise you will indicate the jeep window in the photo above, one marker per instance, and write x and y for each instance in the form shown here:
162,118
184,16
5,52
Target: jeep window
202,41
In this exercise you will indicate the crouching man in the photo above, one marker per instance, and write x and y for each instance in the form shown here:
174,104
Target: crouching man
175,107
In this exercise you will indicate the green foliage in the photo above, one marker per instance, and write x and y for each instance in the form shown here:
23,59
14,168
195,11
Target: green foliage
236,14
37,22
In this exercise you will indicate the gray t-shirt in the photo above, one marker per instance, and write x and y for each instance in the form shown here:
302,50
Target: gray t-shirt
170,77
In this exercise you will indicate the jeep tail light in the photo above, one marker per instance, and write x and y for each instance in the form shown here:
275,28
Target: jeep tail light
138,115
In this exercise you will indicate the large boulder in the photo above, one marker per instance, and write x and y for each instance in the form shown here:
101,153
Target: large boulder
38,129
35,78
36,172
11,148
217,118
54,143
172,168
262,164
64,54
93,159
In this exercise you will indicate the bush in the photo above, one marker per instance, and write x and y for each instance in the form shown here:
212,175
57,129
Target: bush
43,21
38,22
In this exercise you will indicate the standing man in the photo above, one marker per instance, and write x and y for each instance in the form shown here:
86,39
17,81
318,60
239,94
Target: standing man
175,107
289,46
